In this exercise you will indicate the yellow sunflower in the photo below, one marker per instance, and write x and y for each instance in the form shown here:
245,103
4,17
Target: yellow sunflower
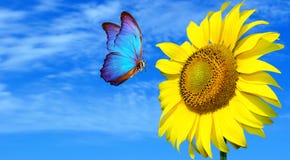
216,85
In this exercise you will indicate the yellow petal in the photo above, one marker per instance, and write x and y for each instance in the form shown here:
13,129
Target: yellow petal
259,78
245,15
170,124
169,93
249,26
217,136
231,130
258,90
191,150
215,23
204,133
183,125
235,145
169,67
188,48
204,25
232,27
169,101
166,118
199,148
271,36
255,104
249,42
195,35
167,112
225,6
242,114
249,66
272,101
263,119
194,128
178,125
168,87
173,51
256,131
168,84
263,47
171,76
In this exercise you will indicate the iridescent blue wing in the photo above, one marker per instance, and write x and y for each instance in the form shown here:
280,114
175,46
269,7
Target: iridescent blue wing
129,40
117,68
111,30
125,51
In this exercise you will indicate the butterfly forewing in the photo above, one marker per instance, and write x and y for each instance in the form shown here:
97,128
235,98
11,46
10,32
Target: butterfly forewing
129,40
111,30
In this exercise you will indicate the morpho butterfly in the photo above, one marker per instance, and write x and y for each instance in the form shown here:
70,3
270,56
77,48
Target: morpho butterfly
124,44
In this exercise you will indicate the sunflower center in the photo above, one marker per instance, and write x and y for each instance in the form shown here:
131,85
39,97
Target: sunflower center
199,75
208,79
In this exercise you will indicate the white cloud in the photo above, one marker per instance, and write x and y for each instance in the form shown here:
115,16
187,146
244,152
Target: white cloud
3,92
21,52
75,33
274,11
50,5
164,20
11,23
67,74
285,116
78,32
7,15
101,12
129,111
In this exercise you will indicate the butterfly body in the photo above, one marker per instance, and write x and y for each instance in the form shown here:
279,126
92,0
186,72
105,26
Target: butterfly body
124,44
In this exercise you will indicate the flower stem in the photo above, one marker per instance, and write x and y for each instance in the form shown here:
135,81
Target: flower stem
223,155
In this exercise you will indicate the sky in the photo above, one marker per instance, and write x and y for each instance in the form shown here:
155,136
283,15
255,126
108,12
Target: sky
54,105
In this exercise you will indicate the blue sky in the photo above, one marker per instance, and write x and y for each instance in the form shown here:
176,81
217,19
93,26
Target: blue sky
54,105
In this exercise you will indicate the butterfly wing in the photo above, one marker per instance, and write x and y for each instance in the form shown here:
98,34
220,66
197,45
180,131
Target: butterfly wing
125,50
111,30
117,68
129,39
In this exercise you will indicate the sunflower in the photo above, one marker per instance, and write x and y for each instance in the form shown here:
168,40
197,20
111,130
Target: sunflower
217,87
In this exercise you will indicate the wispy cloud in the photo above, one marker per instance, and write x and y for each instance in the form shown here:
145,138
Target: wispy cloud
61,109
3,91
273,11
77,31
28,37
101,12
67,74
71,33
285,115
51,5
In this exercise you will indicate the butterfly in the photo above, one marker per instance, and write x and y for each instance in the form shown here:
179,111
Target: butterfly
124,44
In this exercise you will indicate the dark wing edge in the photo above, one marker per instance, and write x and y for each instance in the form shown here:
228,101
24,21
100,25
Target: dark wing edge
124,14
124,77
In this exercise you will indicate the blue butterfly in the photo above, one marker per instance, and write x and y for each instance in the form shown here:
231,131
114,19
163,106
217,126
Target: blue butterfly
124,44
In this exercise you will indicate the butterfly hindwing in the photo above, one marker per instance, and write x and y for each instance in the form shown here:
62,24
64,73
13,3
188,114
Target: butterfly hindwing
115,66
